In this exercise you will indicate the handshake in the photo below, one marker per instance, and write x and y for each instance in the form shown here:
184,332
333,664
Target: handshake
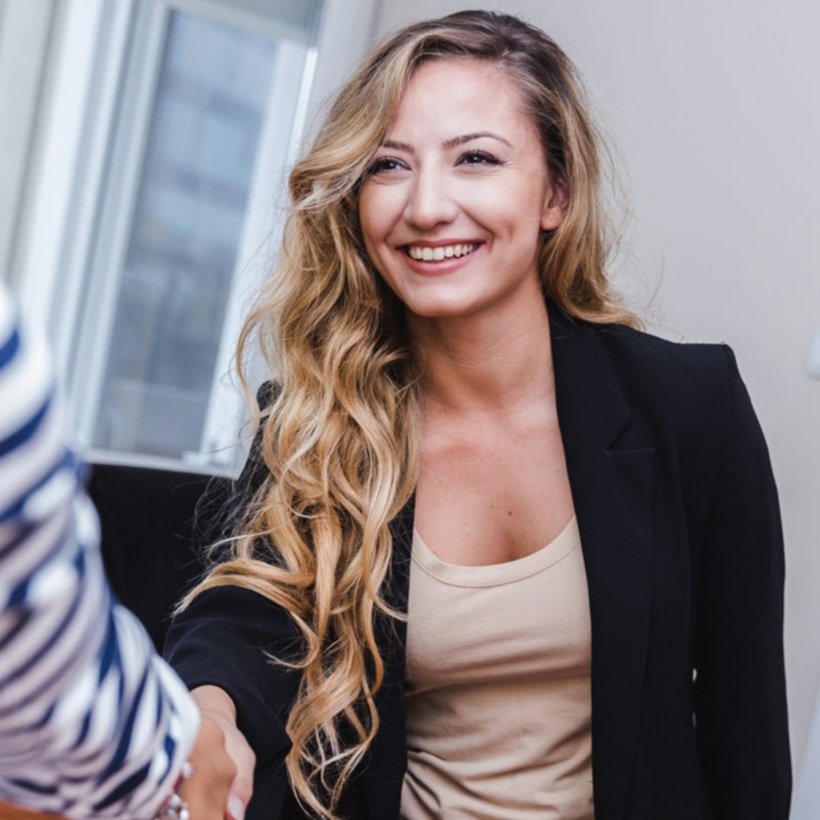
221,779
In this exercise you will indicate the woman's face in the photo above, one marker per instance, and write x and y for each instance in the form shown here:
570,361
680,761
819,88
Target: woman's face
454,202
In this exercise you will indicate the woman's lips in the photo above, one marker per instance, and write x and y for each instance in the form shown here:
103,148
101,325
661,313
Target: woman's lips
433,259
438,253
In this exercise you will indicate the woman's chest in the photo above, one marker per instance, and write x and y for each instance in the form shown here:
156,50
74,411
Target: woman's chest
497,498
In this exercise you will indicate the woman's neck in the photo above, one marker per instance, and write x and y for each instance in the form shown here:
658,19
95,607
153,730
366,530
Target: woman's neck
480,364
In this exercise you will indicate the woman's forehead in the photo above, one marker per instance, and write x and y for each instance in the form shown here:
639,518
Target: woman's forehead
461,95
490,73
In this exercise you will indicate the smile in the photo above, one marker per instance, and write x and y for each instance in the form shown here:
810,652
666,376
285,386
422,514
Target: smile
427,254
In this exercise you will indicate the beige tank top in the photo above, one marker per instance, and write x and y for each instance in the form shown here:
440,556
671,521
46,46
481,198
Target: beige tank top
498,687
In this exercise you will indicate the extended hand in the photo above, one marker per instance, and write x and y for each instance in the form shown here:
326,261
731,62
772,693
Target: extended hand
219,713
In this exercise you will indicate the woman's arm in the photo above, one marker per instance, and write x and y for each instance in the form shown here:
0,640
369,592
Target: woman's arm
221,645
740,690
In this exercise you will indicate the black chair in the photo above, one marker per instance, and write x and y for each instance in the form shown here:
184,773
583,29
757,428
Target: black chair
155,525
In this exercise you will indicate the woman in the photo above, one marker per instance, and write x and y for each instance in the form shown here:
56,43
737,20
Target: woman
578,519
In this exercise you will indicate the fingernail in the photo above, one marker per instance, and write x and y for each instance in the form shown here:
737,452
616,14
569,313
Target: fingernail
236,808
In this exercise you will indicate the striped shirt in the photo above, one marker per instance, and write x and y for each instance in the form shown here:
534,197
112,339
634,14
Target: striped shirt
92,722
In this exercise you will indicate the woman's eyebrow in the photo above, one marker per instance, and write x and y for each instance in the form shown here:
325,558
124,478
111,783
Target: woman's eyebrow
395,145
477,135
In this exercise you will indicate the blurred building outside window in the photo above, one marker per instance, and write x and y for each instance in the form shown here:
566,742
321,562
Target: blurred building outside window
210,111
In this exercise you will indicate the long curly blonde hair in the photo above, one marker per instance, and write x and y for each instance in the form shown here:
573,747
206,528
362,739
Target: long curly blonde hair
340,443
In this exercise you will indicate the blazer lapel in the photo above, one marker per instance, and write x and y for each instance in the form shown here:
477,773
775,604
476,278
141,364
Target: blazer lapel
612,493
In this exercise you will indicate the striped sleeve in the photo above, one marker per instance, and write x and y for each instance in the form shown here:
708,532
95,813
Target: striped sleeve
92,722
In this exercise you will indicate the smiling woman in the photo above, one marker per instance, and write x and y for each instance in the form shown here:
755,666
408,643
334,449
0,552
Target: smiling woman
453,205
483,560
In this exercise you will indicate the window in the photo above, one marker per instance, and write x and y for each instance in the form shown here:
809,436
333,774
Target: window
205,114
149,201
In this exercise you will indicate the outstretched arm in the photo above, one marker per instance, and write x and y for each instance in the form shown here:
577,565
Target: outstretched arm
92,722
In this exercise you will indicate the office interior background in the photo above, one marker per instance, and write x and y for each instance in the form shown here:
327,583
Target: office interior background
143,147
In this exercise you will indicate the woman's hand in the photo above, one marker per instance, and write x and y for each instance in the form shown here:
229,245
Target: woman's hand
207,792
219,722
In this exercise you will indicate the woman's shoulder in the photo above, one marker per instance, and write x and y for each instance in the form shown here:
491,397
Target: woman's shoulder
680,372
659,353
692,387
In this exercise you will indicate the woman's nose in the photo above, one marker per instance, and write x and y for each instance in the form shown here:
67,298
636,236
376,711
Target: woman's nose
430,202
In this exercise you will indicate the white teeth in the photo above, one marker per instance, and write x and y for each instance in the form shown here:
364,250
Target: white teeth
428,254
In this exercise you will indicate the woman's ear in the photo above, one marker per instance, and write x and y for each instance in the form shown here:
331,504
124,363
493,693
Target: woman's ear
556,202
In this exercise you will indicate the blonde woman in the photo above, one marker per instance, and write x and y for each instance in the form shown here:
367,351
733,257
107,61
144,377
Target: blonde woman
498,553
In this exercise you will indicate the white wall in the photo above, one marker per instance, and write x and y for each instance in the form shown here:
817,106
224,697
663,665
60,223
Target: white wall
715,108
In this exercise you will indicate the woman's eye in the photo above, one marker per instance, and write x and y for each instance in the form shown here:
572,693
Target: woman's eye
478,158
384,164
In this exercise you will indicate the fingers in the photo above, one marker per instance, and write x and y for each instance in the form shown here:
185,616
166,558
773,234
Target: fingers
242,785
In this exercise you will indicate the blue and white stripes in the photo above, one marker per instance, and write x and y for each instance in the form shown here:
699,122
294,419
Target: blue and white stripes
92,722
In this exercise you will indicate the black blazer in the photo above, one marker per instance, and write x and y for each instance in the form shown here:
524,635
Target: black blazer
682,544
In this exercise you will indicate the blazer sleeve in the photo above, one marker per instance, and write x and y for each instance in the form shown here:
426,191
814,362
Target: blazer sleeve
228,637
235,638
740,690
